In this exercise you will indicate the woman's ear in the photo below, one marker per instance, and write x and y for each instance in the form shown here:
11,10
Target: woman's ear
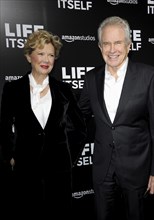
28,58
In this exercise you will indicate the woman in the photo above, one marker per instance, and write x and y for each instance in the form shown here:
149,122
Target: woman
42,132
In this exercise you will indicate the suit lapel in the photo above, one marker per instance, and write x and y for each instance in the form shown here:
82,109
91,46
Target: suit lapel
54,104
27,99
58,102
99,76
24,93
128,87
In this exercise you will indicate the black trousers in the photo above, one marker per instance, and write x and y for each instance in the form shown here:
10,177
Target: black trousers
113,201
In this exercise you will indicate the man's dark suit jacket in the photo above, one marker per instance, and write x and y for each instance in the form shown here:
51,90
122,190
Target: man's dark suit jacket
132,132
54,148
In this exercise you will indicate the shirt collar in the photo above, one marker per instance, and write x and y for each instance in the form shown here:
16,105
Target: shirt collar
33,82
121,71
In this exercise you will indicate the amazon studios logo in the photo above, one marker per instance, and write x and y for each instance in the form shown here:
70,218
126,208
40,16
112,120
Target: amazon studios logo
72,38
151,40
116,2
79,195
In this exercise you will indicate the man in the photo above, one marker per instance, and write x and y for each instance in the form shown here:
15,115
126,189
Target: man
120,95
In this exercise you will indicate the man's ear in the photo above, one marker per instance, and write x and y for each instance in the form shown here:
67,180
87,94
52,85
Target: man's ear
100,47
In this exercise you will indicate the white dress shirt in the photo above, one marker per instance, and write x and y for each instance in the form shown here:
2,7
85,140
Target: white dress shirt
113,88
40,105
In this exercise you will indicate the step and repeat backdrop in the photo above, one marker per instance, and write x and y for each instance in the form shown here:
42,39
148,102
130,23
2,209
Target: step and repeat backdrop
76,23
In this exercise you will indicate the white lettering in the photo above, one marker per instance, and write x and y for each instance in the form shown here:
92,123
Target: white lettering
21,30
17,37
150,2
135,46
136,35
7,31
74,4
150,9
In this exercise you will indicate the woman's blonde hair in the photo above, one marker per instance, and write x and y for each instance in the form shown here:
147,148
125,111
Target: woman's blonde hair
39,38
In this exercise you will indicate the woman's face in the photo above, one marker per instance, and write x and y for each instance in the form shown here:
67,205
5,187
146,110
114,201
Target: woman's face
42,60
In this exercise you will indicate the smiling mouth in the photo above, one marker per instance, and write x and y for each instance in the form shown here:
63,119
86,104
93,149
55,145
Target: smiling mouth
113,56
44,66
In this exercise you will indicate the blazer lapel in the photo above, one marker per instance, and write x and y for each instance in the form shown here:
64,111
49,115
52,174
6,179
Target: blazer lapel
58,102
128,87
100,93
26,100
25,93
52,113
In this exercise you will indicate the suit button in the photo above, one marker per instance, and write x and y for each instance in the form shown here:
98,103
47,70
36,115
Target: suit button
41,134
113,128
112,145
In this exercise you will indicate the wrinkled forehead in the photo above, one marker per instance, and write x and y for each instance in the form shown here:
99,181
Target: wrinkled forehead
112,33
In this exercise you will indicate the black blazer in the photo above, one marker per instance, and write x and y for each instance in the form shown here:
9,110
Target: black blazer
132,132
54,148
